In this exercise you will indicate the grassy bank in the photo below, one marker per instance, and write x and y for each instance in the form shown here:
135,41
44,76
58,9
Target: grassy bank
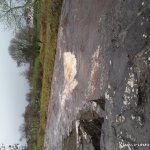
46,23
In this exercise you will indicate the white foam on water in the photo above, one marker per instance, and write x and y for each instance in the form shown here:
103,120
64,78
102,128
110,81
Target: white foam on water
70,71
77,133
95,68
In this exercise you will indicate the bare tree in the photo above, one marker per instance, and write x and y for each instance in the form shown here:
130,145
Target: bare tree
22,48
14,13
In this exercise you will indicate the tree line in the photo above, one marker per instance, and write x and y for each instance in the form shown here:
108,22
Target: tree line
23,49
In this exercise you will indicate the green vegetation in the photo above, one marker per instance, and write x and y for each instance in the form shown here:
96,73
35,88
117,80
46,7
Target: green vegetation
35,76
36,46
47,21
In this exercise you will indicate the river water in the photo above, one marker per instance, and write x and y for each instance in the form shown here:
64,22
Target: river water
100,95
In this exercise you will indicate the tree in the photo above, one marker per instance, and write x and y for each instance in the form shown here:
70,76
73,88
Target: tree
22,48
15,13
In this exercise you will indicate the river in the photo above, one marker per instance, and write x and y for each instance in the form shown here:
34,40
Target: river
100,95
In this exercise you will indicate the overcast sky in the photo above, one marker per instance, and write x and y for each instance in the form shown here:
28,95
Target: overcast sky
13,88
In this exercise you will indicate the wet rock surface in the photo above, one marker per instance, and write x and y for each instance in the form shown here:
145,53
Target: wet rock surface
100,96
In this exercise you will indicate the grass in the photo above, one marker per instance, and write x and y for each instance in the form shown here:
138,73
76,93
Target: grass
35,76
47,21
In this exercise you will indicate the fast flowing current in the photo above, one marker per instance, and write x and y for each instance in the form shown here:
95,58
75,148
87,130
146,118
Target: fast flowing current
100,97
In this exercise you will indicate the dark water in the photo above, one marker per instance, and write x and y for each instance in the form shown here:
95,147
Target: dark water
100,91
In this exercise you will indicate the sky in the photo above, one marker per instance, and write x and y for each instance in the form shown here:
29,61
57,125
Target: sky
13,88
